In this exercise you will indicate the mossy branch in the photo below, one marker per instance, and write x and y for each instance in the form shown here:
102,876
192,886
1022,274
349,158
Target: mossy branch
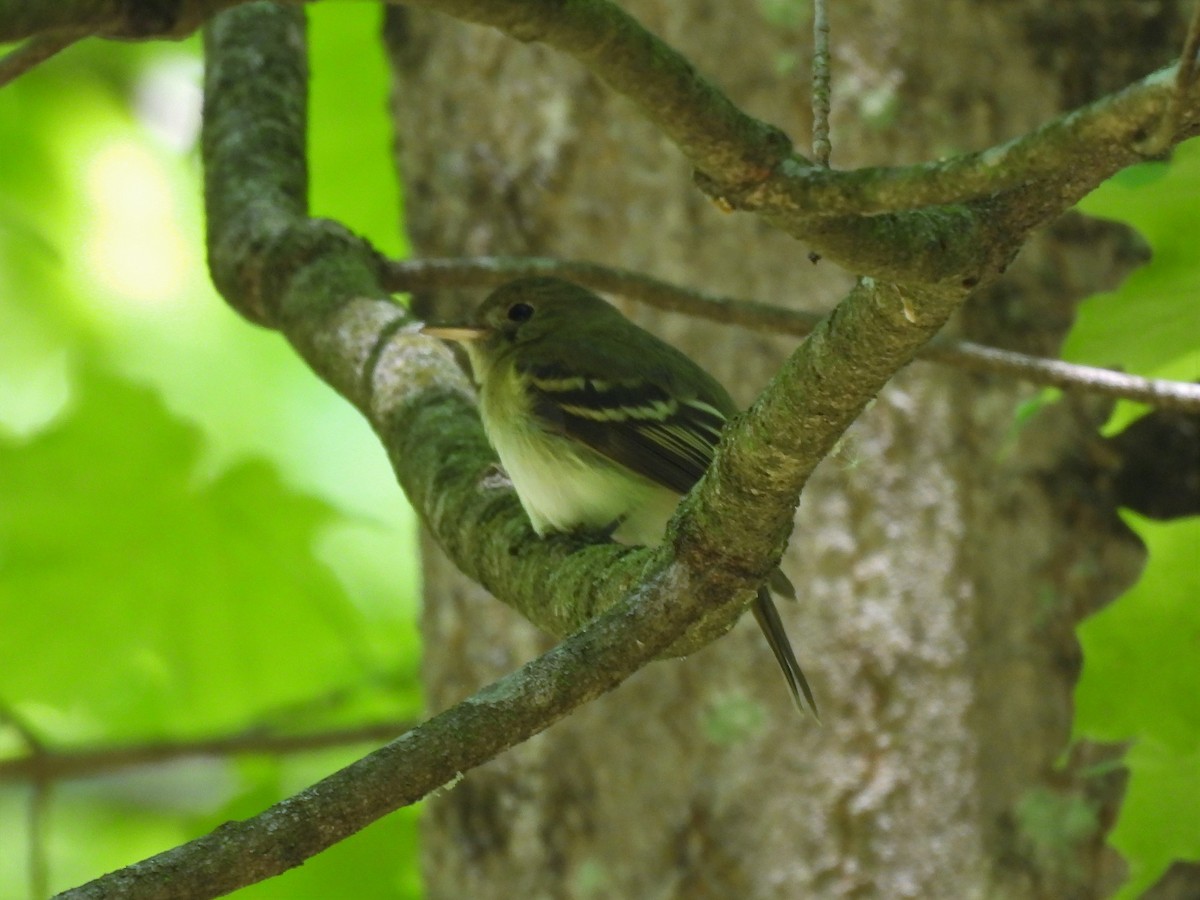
951,222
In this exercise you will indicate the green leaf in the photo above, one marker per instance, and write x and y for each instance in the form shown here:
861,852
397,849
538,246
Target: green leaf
1159,822
1150,324
139,601
1142,653
1140,682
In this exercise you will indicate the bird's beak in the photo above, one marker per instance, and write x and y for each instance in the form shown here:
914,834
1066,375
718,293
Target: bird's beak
460,333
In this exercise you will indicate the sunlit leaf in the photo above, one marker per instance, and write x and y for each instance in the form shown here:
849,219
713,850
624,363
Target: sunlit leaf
1150,322
1140,683
138,601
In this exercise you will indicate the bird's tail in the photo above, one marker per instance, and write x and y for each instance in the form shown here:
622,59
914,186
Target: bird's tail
768,620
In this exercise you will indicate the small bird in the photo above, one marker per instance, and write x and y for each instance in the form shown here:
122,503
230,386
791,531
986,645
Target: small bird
599,424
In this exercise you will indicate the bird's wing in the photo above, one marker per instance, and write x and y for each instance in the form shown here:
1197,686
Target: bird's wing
636,422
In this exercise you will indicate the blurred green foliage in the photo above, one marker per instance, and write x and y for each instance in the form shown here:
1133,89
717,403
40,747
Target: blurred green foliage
197,538
183,584
1054,826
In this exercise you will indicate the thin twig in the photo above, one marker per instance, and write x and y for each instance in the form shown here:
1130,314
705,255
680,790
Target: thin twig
1157,392
36,50
39,803
427,274
1159,139
1185,76
24,731
58,765
39,864
821,85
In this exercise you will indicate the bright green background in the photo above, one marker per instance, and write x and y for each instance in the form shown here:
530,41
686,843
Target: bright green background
196,537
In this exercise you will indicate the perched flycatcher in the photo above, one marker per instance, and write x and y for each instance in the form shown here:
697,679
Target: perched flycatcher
599,424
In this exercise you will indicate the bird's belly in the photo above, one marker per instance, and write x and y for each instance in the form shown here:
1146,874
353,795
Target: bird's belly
564,485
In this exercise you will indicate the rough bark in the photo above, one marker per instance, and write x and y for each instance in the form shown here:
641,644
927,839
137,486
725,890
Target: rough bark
942,556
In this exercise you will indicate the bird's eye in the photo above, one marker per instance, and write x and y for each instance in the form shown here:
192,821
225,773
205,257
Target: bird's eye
520,312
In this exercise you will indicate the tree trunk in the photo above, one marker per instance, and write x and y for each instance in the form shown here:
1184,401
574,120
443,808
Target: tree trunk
942,555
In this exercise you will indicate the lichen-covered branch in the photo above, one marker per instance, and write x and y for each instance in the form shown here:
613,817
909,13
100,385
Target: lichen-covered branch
768,453
865,219
948,222
1069,156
